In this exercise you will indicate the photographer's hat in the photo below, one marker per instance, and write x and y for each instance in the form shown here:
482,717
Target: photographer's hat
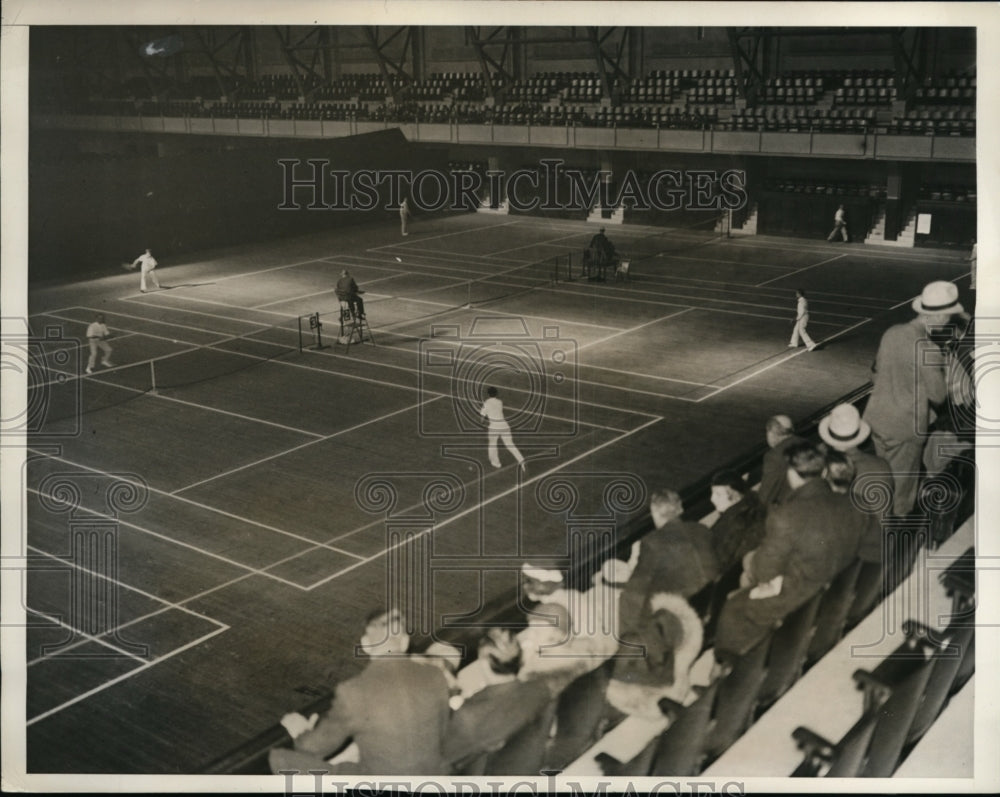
843,428
938,297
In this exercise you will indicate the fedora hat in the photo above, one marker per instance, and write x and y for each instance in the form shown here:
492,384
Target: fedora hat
844,428
938,297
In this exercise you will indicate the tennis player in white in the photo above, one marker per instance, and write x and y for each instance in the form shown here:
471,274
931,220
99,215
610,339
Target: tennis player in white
499,429
97,333
147,263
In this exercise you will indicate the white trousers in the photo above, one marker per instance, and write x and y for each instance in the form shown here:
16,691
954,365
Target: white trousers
95,344
497,433
143,271
800,330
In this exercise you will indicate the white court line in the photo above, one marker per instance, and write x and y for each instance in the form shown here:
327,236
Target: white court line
479,507
200,312
265,270
577,401
799,270
124,676
500,312
249,570
331,290
323,439
153,321
465,256
668,295
744,241
633,329
546,242
198,504
137,590
443,235
186,298
147,616
385,329
782,360
742,287
86,637
207,408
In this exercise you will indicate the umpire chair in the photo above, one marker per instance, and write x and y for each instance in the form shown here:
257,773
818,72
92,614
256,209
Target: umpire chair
353,326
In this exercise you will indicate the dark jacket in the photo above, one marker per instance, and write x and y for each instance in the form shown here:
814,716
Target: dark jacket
675,558
492,715
774,486
739,530
807,541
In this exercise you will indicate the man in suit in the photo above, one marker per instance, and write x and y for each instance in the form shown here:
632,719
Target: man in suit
740,525
807,541
490,715
677,557
396,711
909,376
774,487
844,431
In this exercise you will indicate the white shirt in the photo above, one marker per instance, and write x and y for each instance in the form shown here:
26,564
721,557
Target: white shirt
97,330
147,262
838,217
493,409
803,310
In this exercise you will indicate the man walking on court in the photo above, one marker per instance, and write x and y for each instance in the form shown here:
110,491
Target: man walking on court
404,215
801,320
97,333
839,225
147,264
499,429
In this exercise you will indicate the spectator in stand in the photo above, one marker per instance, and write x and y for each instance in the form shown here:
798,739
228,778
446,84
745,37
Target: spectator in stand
739,528
807,541
676,557
498,661
396,711
670,638
909,377
493,713
774,487
841,475
843,430
839,225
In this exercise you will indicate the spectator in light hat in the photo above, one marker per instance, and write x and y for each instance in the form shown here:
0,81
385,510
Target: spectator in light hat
909,378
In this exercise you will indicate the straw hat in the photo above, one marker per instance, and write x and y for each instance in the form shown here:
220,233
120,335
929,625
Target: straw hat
843,428
938,297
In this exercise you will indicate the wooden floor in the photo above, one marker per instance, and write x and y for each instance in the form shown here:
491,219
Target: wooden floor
273,496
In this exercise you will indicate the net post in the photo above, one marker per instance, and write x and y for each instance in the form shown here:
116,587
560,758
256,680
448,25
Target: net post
152,377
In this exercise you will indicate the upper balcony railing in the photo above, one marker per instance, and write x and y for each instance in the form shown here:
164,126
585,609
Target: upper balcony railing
860,145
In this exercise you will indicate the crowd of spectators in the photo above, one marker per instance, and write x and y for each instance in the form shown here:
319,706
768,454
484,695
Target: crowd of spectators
642,625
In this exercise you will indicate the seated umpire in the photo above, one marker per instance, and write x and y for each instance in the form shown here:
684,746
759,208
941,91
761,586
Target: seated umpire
347,291
600,253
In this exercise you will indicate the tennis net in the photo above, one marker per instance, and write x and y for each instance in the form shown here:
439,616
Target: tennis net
60,392
475,292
